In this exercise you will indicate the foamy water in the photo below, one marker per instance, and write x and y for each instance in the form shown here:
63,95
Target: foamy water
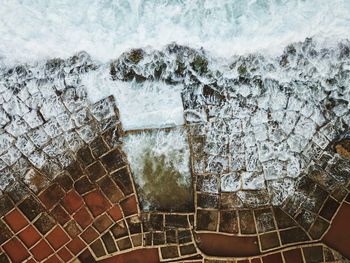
36,29
141,105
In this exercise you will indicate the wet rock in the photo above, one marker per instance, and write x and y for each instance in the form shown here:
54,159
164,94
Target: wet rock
199,64
53,65
135,55
113,71
207,220
180,67
242,70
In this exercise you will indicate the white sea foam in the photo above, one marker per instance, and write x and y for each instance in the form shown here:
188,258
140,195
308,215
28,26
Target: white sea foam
37,29
141,105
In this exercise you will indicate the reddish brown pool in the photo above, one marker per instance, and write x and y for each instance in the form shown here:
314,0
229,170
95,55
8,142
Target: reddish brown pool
338,236
228,246
136,256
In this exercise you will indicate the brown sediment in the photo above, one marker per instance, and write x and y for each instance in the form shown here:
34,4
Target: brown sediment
338,236
161,188
227,246
343,148
149,255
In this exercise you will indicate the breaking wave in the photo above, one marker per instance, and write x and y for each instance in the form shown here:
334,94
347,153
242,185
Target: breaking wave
39,29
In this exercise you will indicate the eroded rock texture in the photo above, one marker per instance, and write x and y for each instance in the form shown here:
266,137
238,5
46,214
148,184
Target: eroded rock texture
260,170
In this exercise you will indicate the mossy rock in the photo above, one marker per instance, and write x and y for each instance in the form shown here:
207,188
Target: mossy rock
199,64
291,50
130,75
180,69
344,50
113,71
242,70
82,56
158,71
284,61
136,55
54,64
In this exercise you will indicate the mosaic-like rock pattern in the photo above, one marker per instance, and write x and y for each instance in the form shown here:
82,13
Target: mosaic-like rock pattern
267,161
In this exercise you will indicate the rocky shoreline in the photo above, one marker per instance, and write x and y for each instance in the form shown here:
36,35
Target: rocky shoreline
268,140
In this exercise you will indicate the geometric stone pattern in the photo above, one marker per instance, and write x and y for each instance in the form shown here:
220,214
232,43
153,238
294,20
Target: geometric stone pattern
172,230
300,219
87,206
67,193
303,254
46,117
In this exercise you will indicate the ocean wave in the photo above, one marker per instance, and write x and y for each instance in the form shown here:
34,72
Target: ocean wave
37,29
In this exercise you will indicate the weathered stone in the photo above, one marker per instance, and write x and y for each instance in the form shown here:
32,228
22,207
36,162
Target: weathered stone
123,180
84,156
188,249
124,243
305,218
269,240
30,208
109,243
184,236
36,181
110,189
208,201
319,228
313,254
207,220
283,220
44,223
97,248
5,205
176,221
169,252
247,223
95,171
158,238
264,220
228,222
293,235
329,208
83,185
119,230
113,160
